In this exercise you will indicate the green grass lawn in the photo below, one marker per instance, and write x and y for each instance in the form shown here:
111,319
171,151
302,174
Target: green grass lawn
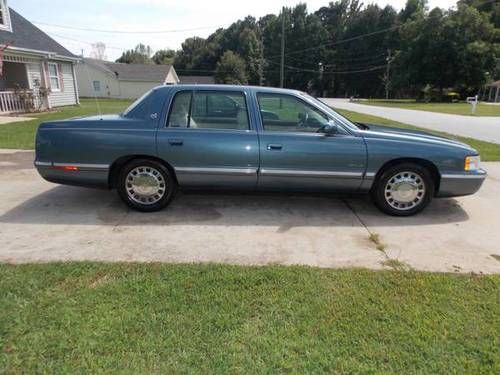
489,151
21,135
461,108
152,318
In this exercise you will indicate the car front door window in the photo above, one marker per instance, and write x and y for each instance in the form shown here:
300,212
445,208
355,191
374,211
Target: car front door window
285,113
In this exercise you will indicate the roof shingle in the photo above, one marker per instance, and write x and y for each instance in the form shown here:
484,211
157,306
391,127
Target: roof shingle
26,35
196,80
133,72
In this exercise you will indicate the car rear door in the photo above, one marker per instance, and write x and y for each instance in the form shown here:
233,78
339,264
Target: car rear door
209,139
294,155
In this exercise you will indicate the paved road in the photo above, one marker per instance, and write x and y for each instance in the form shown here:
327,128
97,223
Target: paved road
42,222
482,128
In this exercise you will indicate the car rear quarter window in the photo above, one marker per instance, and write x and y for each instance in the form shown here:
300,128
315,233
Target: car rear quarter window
179,112
140,109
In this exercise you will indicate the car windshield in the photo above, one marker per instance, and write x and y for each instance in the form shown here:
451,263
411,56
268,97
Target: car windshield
337,116
135,104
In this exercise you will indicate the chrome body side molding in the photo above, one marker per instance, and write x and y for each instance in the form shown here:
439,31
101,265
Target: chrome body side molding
80,166
301,173
228,171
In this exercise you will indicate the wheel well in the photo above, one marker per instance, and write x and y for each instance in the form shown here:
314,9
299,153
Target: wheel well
117,165
430,166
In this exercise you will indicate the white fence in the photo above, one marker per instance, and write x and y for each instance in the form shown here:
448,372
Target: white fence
11,102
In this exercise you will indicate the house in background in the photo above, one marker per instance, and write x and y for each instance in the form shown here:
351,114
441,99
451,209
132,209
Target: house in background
105,79
491,92
121,81
196,80
33,64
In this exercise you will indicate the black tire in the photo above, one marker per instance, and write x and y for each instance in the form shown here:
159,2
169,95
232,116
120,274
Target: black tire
382,190
157,173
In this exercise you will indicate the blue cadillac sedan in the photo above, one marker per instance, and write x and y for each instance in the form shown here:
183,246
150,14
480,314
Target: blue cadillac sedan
251,138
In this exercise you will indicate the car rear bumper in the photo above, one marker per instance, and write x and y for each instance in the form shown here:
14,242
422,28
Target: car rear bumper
457,184
86,175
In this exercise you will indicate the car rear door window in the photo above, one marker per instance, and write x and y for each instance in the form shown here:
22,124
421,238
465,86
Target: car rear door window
209,110
286,113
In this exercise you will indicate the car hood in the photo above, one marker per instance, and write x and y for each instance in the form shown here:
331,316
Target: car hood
380,131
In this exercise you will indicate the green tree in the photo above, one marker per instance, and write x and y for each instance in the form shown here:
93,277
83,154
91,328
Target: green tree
447,49
231,69
198,56
141,54
164,57
304,38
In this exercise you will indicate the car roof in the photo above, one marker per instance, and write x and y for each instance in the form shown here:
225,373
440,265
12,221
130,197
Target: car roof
228,88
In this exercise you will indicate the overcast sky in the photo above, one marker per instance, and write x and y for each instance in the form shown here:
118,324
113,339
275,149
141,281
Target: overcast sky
153,15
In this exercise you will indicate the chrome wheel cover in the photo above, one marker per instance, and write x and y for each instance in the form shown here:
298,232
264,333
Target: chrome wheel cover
404,190
145,185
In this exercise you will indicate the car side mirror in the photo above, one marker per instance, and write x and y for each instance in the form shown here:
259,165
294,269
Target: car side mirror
331,128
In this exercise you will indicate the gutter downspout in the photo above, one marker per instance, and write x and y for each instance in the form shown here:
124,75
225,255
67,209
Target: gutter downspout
75,84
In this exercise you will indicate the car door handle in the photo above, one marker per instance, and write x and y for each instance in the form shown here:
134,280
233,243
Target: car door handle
274,147
176,142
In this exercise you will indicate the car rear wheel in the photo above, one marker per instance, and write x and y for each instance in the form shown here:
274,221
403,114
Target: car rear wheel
403,189
146,185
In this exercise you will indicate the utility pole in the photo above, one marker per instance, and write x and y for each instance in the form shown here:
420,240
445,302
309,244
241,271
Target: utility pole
282,65
321,87
388,74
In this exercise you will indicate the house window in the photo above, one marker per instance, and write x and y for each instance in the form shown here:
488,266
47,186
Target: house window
55,84
97,85
4,17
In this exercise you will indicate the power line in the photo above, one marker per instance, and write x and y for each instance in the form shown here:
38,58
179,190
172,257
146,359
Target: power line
342,41
83,42
345,60
125,31
356,70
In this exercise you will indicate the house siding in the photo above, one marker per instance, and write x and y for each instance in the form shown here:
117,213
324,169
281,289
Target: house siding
87,74
111,87
67,95
135,89
34,74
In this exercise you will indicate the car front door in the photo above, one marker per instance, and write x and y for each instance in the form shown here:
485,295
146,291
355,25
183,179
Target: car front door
296,154
209,140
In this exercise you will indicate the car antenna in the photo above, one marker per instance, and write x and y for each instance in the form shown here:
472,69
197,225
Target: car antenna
91,87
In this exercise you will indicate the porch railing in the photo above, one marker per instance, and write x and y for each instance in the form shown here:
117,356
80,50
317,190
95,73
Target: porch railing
11,102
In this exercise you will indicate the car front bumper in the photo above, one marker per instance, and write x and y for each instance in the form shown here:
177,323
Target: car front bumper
457,184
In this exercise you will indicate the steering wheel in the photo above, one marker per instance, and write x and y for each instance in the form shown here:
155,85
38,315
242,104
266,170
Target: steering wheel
322,128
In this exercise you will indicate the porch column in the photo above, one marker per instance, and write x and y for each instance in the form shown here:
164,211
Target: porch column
497,96
46,83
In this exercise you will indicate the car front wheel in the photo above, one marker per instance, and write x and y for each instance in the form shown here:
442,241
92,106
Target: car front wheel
404,189
146,185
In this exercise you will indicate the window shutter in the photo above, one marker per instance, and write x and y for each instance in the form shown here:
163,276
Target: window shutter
61,80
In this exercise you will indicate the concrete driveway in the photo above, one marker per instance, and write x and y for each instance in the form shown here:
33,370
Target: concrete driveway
41,222
4,120
482,128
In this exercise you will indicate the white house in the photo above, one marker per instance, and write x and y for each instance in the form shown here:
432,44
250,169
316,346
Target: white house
32,64
491,92
121,81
